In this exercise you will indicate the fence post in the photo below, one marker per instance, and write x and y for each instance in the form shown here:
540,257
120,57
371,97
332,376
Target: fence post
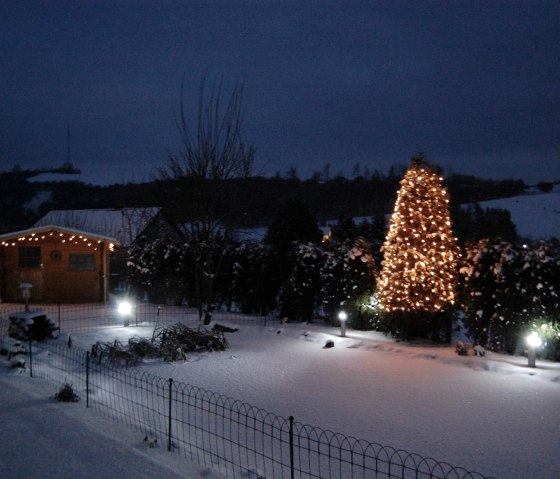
87,379
292,467
30,357
169,424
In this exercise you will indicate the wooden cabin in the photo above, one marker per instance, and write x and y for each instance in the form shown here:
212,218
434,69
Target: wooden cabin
128,226
61,264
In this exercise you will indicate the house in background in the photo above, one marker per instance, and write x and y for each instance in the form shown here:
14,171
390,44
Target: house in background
61,264
127,225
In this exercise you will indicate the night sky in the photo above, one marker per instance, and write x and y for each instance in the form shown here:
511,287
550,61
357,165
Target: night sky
475,85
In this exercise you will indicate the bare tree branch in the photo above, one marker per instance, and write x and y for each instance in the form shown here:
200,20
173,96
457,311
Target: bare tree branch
212,153
213,148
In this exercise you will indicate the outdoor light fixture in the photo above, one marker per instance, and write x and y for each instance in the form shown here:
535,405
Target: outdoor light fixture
124,308
342,316
26,294
534,341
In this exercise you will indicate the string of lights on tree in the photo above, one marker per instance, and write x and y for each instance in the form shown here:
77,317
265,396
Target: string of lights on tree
420,253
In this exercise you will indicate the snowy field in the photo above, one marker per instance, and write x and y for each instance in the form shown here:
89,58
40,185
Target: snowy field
536,214
491,414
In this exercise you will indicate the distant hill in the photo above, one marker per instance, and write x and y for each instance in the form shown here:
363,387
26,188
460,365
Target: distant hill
25,196
536,214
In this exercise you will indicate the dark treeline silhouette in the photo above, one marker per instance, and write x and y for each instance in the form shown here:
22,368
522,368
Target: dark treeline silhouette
252,201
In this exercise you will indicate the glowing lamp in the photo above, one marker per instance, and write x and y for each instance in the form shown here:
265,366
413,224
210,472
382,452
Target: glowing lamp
342,316
534,341
124,308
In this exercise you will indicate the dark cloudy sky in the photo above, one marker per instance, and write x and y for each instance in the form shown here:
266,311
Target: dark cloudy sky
476,85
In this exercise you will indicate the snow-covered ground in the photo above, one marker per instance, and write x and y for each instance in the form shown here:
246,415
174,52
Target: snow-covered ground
490,414
44,439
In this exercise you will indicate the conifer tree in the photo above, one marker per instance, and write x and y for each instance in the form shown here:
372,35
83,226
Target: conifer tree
420,253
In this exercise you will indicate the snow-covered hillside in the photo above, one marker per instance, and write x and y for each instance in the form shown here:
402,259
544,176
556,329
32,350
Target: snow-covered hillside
535,214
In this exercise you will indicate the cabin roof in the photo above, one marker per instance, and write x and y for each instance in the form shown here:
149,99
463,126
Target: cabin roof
42,230
122,224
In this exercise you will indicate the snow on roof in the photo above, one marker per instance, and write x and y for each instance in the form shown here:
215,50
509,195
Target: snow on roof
122,224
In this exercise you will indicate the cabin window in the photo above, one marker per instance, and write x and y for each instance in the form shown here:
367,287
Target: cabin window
30,257
82,262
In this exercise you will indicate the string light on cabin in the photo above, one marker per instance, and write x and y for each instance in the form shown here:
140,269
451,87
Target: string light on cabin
420,253
64,238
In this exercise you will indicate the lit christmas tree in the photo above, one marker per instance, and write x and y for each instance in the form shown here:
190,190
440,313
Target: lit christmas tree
420,253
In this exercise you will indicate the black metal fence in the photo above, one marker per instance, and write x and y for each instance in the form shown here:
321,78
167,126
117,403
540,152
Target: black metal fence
238,439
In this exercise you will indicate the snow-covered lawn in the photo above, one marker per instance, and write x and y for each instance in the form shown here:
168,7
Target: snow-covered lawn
490,414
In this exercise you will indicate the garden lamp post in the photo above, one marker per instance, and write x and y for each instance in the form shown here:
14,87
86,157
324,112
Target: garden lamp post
26,294
534,341
342,316
125,309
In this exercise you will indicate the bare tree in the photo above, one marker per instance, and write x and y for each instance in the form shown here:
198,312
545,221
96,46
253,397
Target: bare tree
213,154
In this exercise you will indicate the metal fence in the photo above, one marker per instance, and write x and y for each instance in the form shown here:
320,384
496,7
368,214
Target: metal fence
238,439
84,316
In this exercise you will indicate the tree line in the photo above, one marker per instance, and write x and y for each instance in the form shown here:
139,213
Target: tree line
251,201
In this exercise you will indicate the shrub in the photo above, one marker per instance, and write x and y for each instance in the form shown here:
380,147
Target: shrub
35,325
66,394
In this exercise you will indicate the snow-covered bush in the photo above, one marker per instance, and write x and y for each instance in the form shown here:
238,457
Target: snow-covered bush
254,284
298,296
347,281
34,325
162,269
549,331
15,353
66,394
507,289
